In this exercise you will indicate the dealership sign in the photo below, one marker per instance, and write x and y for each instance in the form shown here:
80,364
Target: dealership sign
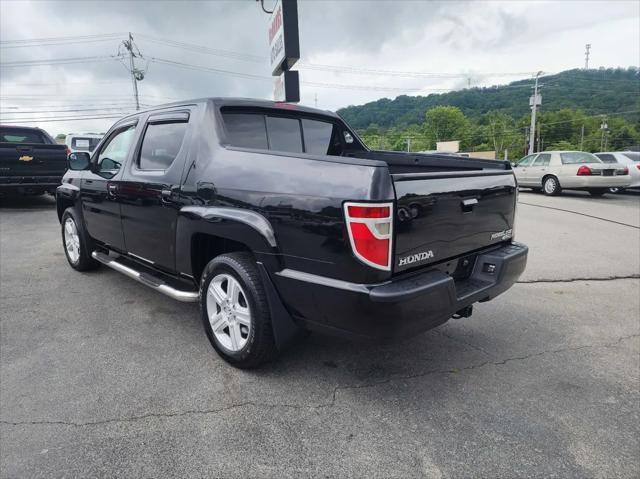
286,87
284,47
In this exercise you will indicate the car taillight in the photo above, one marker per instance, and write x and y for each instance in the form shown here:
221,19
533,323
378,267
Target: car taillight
625,171
638,166
370,228
584,171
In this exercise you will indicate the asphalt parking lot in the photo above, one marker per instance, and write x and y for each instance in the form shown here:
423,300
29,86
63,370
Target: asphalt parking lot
102,377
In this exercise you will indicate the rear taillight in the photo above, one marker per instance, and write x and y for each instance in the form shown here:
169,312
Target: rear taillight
625,171
370,227
638,166
584,171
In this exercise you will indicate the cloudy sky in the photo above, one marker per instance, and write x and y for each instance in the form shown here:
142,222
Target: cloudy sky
352,51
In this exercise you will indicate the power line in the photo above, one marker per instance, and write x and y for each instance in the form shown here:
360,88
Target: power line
62,39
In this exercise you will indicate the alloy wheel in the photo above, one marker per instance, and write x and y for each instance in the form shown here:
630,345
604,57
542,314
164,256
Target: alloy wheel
72,240
229,312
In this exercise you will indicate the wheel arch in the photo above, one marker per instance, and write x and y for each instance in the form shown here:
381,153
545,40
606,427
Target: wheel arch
66,196
203,233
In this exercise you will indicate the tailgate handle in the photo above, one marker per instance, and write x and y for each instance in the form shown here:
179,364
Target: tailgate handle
468,204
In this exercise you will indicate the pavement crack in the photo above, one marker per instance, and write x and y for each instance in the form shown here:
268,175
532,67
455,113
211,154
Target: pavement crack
482,364
333,397
580,214
574,280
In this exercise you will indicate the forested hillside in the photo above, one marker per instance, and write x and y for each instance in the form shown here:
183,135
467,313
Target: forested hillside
592,91
588,110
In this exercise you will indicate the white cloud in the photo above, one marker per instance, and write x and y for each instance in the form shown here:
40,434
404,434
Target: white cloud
479,39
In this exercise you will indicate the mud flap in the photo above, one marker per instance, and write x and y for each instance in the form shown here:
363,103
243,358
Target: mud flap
284,328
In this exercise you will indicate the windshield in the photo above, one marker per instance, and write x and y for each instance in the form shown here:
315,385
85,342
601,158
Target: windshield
575,157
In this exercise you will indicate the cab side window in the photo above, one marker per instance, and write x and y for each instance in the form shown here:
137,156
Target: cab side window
114,153
161,145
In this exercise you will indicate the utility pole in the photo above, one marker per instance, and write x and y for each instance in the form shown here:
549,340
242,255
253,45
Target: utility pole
539,138
534,101
136,75
408,144
586,55
603,127
582,137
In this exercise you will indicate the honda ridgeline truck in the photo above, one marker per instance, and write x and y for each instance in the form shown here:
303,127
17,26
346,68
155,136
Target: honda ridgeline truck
276,218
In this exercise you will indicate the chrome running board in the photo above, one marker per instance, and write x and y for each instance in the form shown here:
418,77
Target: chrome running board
146,279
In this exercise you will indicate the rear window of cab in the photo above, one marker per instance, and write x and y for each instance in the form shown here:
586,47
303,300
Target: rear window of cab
282,133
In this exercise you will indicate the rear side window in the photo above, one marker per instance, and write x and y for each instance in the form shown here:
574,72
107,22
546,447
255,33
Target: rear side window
246,130
317,136
19,135
84,144
633,156
284,134
161,145
575,157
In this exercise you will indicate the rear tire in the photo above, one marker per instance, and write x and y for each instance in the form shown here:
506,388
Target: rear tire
235,312
76,242
551,186
597,191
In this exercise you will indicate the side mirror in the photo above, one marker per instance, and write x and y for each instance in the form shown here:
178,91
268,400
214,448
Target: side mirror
514,165
78,161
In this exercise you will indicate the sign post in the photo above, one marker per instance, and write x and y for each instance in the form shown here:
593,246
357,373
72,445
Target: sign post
284,50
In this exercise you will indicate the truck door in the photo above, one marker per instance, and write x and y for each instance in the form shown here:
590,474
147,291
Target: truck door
99,188
150,189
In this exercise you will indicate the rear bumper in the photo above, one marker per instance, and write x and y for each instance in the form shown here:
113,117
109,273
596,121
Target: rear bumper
622,181
29,184
401,307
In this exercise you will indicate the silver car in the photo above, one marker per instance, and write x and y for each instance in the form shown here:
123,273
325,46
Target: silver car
631,159
553,171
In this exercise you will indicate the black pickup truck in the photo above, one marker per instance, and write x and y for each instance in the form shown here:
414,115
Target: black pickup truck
276,218
31,162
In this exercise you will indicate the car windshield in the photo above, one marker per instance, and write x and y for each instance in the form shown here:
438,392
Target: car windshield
574,157
632,155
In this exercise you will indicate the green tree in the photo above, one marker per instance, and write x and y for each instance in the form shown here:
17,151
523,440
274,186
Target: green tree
446,123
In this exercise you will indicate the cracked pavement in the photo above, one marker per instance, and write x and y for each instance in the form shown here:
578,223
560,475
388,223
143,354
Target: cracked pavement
100,376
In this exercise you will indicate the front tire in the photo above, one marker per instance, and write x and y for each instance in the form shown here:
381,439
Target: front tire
551,186
235,312
75,242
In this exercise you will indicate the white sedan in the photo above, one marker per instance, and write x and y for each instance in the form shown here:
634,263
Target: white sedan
631,159
553,171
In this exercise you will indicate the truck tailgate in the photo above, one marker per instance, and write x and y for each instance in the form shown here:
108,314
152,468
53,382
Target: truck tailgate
32,159
447,214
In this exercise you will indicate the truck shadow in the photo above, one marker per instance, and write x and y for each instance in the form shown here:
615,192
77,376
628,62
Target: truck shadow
41,202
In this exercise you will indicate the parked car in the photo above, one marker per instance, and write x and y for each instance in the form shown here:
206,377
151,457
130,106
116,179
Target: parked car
553,171
276,218
31,162
631,159
81,142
